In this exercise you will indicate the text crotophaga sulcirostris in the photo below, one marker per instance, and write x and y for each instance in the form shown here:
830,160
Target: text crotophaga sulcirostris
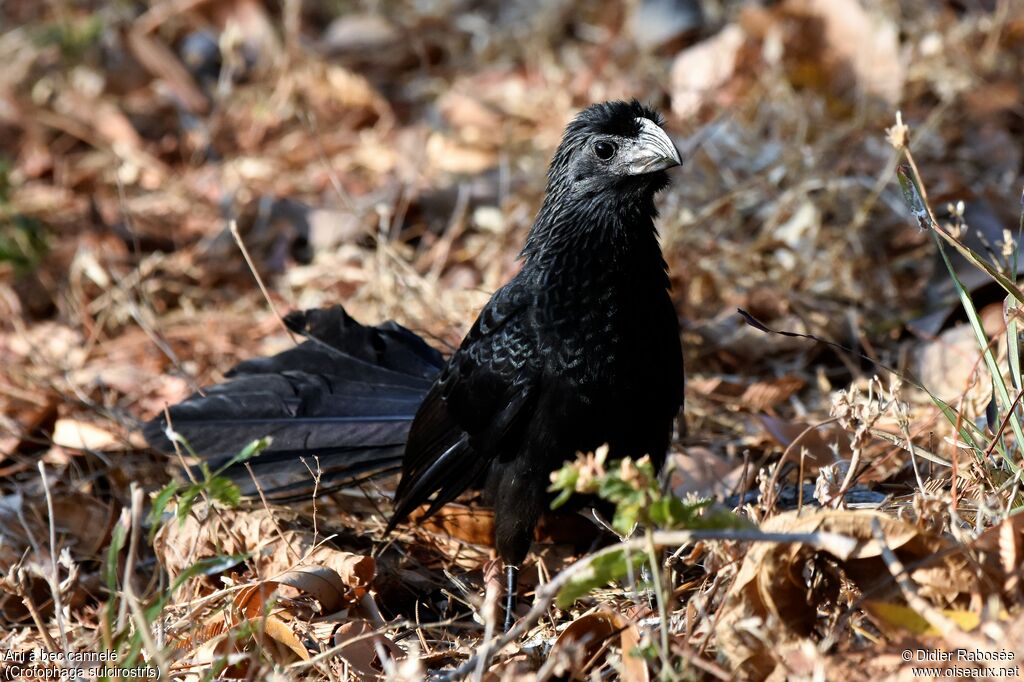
580,349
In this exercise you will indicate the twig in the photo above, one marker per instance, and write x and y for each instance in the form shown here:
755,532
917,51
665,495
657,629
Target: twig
18,582
300,666
662,601
58,606
316,488
233,228
273,519
332,175
1002,425
696,660
142,625
851,472
490,616
456,223
177,447
133,548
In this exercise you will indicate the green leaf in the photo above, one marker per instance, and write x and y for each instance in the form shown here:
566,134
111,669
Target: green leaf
912,197
670,512
986,349
248,452
601,571
186,500
614,489
627,516
23,241
562,498
564,483
965,424
720,518
208,566
648,652
224,491
117,539
160,502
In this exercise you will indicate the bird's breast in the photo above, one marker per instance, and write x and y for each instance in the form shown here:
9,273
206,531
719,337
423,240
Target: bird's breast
597,332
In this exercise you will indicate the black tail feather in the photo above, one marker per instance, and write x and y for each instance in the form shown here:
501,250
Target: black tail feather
343,400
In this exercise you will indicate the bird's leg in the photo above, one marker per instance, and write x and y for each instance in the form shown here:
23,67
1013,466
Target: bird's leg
518,504
511,592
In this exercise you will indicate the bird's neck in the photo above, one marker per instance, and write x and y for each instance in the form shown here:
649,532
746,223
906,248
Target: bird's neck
593,235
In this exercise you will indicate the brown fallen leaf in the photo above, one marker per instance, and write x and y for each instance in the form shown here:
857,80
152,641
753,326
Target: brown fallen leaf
989,99
701,471
474,119
22,418
254,605
82,523
756,397
701,71
772,589
762,395
321,583
999,549
277,546
358,643
450,156
588,636
72,433
279,631
817,442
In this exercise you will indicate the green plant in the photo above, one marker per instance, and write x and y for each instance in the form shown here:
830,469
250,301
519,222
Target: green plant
130,642
74,36
213,485
632,487
1007,414
22,239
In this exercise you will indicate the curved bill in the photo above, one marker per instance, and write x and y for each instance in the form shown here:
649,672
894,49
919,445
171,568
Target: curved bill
654,150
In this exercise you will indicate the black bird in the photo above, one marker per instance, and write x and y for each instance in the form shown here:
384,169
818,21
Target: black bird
580,349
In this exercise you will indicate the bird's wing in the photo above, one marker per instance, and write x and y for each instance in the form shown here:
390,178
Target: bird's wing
476,410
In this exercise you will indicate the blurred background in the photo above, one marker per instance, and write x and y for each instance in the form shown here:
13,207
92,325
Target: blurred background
391,155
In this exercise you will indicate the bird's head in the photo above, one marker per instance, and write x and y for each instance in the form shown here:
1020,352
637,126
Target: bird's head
613,149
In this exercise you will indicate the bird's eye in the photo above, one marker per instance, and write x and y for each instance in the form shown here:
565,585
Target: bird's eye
604,150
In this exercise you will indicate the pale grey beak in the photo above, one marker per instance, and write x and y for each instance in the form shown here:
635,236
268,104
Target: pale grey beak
652,152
